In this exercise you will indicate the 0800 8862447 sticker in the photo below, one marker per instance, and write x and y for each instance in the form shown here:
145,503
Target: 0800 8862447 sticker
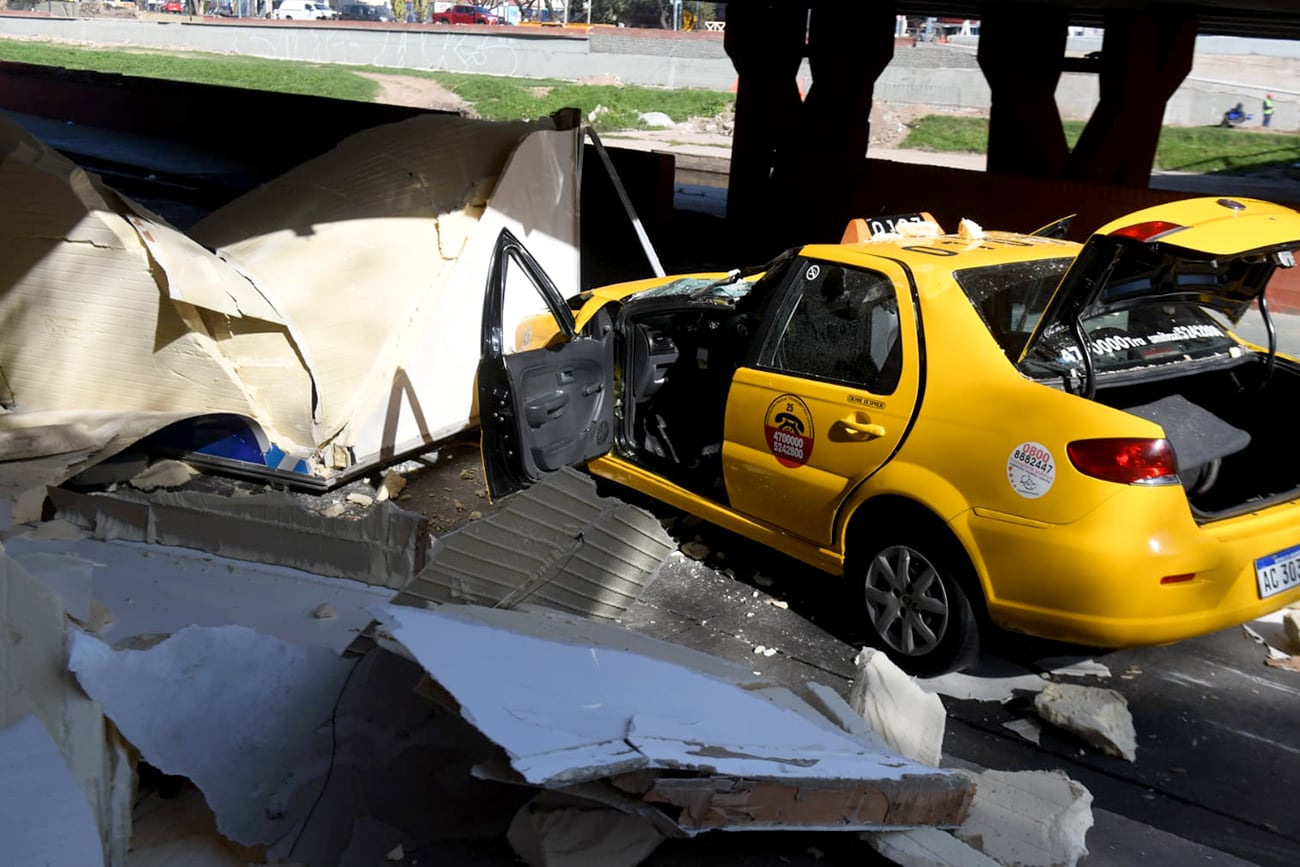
1031,470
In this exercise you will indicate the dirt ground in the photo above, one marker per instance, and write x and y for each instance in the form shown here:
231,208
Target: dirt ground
889,123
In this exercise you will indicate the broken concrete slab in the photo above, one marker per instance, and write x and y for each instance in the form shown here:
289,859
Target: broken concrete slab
244,716
1028,818
157,590
386,546
556,830
1099,716
570,701
44,817
560,545
1291,626
926,847
909,719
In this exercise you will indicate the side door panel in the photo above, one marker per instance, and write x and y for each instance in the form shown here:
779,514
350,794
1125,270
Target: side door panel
540,410
829,401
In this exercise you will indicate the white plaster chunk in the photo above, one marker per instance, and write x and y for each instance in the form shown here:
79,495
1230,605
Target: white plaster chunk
968,686
1028,818
392,485
1099,716
44,816
1291,626
242,715
907,717
163,474
1029,729
927,847
545,833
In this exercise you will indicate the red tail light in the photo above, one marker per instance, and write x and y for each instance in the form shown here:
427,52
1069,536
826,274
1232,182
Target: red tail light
1147,231
1126,460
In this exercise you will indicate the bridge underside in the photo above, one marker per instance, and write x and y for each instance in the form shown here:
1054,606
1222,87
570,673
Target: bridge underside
804,156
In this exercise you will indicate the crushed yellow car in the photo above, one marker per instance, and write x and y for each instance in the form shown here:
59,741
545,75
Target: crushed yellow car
974,429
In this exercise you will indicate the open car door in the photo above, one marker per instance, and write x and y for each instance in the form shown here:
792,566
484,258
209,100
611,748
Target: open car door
540,409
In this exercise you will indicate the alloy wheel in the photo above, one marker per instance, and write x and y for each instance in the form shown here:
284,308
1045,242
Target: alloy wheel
906,600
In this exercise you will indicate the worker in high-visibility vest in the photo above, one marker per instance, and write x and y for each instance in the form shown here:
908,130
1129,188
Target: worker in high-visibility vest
1268,108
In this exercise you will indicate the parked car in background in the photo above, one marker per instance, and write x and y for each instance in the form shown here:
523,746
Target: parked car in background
460,14
175,7
303,10
365,12
975,430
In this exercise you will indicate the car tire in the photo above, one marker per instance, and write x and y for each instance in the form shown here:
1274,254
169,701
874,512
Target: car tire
914,589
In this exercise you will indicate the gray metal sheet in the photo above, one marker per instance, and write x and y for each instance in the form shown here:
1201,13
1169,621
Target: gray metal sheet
559,545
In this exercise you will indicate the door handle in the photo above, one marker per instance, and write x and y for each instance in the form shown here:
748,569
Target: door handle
543,409
862,428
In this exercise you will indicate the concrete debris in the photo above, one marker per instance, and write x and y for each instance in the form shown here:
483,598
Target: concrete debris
909,719
1074,668
324,611
333,510
1028,818
967,686
44,816
1099,716
695,550
384,546
360,499
926,847
1273,652
573,701
553,830
391,485
1289,663
1291,626
397,853
1029,729
163,474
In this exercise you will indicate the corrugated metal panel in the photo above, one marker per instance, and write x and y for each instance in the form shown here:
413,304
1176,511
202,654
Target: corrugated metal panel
559,545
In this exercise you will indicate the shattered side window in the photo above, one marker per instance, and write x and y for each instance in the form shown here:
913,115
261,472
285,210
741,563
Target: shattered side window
690,285
842,326
1012,297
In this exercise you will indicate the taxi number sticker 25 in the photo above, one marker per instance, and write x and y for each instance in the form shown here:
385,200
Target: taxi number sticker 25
789,431
1031,470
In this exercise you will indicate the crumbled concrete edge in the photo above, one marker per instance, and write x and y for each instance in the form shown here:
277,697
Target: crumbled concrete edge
1291,626
1028,818
385,547
1099,716
909,719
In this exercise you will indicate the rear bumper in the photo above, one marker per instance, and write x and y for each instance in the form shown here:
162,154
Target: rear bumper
1099,581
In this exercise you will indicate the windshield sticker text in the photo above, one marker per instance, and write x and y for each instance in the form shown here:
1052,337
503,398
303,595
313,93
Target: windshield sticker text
788,429
1123,342
1031,470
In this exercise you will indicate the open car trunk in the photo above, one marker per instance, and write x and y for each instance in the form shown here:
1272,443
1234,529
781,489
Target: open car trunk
1228,426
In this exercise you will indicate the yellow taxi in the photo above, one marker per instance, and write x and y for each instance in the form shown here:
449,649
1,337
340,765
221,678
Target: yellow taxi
973,429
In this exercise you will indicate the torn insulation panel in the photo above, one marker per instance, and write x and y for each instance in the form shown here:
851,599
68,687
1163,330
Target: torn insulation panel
250,727
329,318
572,701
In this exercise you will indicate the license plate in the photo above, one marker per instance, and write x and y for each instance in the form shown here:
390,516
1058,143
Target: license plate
1278,572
